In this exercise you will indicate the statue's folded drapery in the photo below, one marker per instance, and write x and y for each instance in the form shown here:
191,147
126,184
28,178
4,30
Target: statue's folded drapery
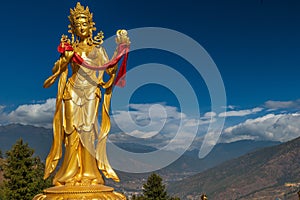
75,119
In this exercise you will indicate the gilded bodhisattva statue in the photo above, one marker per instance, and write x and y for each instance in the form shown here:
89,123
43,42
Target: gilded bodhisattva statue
78,100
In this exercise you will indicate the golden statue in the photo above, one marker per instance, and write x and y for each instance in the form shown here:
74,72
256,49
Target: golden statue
204,197
75,120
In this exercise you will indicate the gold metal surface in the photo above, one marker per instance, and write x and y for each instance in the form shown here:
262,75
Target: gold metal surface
94,192
204,197
75,119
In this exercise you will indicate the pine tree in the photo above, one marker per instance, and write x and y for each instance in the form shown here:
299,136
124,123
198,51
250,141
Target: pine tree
137,198
154,189
23,173
174,198
1,168
1,160
1,192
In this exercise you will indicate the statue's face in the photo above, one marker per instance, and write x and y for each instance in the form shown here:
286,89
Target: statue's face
82,28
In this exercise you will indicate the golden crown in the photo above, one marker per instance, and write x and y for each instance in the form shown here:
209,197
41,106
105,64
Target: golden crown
78,12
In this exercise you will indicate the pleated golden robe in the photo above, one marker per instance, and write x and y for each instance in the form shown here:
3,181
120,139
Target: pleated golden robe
76,123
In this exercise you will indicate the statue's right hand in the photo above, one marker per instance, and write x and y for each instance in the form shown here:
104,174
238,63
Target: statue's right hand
55,68
49,82
68,56
59,67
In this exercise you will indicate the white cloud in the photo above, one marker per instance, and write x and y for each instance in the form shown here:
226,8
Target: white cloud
143,118
282,104
156,124
240,113
275,127
1,108
209,141
142,134
31,114
230,107
210,114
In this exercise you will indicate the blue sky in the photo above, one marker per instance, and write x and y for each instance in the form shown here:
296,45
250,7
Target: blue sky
255,45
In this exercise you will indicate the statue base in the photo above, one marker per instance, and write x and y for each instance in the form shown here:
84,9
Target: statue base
92,192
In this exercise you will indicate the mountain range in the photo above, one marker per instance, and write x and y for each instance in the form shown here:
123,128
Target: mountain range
40,140
238,170
269,173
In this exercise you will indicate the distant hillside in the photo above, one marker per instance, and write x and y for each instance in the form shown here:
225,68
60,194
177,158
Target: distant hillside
220,153
258,175
135,148
38,138
188,164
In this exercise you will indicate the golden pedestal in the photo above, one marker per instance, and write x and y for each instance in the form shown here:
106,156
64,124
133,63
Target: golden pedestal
93,192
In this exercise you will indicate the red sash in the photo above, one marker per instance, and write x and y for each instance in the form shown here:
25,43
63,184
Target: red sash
122,51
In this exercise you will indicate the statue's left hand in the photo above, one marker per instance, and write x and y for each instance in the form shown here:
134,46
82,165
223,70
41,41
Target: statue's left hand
122,37
105,85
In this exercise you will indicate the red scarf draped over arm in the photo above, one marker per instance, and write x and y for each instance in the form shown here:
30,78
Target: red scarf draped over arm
122,52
